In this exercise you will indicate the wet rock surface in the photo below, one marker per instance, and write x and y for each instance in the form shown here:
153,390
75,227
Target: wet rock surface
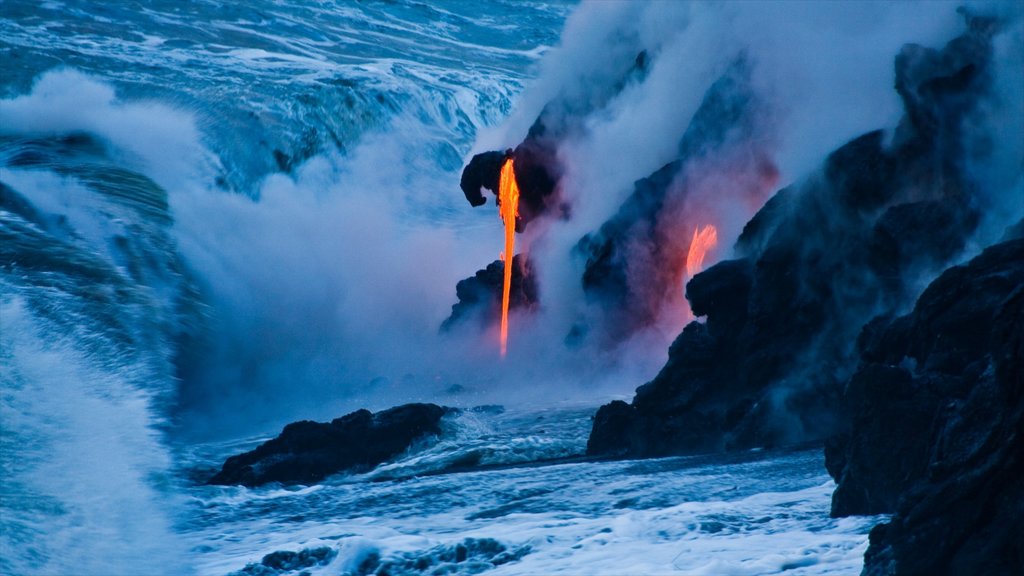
936,426
470,556
287,561
306,452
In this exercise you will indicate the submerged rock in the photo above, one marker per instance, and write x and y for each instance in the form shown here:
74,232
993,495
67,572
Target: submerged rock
470,556
936,426
306,452
285,561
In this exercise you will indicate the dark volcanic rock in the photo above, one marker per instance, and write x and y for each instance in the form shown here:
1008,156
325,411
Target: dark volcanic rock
914,237
936,426
536,162
306,452
537,172
536,168
470,556
714,294
282,561
480,295
483,171
820,258
613,428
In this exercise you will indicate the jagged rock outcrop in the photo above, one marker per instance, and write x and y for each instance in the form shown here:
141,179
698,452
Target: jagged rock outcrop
936,426
536,169
536,163
483,171
815,262
307,452
480,295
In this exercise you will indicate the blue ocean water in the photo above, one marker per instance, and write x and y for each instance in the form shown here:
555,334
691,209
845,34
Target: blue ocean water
207,215
752,513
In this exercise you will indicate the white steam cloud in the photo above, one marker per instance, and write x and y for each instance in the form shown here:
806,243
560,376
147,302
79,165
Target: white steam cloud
329,293
326,293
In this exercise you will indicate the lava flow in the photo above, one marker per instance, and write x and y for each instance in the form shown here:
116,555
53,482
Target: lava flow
704,239
508,208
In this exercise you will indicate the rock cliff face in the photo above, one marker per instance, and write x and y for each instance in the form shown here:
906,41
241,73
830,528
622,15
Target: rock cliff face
816,262
936,426
306,452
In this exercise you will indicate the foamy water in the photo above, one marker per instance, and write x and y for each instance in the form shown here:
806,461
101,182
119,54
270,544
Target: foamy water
751,513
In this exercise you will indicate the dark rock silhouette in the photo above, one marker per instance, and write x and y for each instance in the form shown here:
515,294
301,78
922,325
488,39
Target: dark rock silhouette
817,261
483,171
474,555
936,426
283,561
307,452
535,159
536,168
480,295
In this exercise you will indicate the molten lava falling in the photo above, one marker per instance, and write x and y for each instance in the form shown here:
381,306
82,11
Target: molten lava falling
508,196
704,239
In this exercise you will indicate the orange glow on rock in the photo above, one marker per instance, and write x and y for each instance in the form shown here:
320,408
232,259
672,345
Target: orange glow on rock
704,239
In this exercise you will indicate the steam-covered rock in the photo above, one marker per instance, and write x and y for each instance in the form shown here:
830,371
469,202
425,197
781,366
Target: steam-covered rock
816,262
306,452
536,171
480,295
936,426
635,262
537,167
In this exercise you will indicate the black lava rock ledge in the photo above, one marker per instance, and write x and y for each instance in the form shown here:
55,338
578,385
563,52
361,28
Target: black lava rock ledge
306,452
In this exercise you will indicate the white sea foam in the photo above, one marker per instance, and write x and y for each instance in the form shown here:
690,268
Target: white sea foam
755,515
85,488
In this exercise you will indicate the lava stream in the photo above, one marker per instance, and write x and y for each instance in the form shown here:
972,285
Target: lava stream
508,197
704,239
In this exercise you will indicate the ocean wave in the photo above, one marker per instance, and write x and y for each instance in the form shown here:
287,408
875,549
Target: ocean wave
270,88
760,512
491,437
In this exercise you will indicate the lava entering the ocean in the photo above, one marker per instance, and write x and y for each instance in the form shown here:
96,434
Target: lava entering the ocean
704,239
508,208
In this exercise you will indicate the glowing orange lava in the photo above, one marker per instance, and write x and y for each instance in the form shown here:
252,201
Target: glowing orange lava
704,239
508,195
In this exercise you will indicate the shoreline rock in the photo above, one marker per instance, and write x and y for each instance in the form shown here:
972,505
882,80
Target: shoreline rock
936,426
479,296
306,452
852,241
